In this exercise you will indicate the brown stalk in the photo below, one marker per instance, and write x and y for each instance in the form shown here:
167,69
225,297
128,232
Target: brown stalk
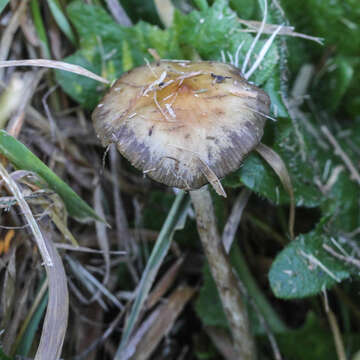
222,273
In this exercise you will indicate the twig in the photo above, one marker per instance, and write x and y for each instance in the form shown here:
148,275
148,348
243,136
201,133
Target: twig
339,345
340,152
225,280
270,28
234,219
118,12
349,259
313,260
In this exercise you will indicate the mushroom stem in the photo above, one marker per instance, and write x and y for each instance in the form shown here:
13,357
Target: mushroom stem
223,275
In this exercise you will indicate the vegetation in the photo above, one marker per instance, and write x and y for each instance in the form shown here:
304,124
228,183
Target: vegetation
100,262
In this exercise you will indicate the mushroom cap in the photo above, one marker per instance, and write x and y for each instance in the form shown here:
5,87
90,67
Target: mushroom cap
183,123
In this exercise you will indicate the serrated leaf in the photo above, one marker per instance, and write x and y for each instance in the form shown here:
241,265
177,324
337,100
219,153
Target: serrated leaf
19,155
217,29
305,268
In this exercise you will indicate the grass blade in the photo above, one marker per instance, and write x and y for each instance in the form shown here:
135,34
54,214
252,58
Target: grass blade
32,327
40,28
61,19
3,3
24,159
56,318
174,221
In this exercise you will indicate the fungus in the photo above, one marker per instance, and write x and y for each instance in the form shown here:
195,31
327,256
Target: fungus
183,124
186,124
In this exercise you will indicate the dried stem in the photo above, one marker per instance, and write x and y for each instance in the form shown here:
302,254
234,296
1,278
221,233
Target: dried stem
339,345
233,221
354,174
221,270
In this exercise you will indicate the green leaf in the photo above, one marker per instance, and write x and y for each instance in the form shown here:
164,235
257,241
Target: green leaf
3,356
19,155
336,82
109,49
82,89
141,10
215,30
40,28
311,342
3,3
244,8
32,328
300,154
305,268
337,23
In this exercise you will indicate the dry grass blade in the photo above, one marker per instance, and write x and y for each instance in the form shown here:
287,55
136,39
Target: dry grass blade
355,175
13,187
10,99
278,165
31,80
21,308
56,318
164,321
8,289
262,53
233,221
254,26
60,65
165,9
339,344
164,284
8,34
222,341
102,233
118,12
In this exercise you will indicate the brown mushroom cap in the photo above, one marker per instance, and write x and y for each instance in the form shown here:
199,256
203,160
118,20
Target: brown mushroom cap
183,123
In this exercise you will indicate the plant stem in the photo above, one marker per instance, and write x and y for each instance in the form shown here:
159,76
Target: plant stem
223,275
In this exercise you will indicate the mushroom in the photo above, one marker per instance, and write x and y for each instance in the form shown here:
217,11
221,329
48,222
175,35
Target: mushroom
186,124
